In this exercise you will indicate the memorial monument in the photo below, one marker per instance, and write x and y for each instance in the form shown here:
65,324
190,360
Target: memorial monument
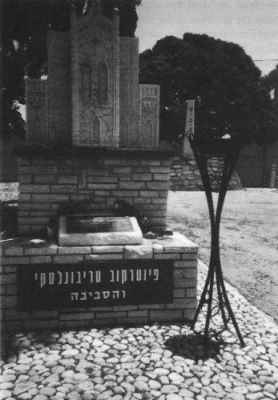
93,142
92,95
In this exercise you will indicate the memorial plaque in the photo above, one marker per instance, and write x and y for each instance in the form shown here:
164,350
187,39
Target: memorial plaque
56,286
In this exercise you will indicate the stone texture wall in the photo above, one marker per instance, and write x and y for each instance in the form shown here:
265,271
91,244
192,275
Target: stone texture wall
178,250
185,175
46,183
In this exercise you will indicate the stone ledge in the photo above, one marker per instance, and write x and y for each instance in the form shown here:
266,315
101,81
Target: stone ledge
51,152
167,247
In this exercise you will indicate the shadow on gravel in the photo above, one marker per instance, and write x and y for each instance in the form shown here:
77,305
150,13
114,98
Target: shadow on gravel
196,347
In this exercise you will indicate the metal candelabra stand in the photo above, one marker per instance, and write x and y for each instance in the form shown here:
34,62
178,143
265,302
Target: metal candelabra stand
214,294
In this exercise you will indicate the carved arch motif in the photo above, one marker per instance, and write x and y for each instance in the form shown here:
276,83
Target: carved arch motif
102,83
85,82
95,130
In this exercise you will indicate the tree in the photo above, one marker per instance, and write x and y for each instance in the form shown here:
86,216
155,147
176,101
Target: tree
25,26
220,75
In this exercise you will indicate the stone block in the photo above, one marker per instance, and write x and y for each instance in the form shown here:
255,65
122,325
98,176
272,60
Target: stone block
78,316
138,252
125,193
103,231
125,308
152,307
113,314
67,179
40,259
45,179
167,256
102,186
180,293
185,273
170,315
34,188
107,249
122,170
68,259
138,313
8,279
13,251
142,177
63,189
40,251
132,185
15,260
191,292
74,250
157,185
161,177
9,302
103,257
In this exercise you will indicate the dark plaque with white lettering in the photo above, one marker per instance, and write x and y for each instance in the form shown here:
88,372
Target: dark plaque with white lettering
55,286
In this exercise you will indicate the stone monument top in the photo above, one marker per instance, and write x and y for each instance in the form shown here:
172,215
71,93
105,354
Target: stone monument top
92,95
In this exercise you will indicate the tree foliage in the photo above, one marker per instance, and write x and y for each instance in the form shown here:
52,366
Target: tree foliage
25,26
221,76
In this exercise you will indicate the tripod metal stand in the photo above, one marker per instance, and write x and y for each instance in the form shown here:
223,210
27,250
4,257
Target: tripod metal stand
214,294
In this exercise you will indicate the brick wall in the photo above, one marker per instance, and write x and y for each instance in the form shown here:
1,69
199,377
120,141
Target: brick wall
20,254
46,183
185,175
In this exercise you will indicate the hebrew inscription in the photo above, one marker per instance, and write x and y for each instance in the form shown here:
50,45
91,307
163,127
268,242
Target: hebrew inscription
113,283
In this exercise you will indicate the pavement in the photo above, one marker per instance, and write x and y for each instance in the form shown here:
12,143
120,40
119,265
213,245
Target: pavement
165,362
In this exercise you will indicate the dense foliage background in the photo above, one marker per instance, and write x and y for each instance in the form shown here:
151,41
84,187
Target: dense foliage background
231,97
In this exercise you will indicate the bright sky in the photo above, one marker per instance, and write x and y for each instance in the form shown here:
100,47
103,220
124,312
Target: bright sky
253,24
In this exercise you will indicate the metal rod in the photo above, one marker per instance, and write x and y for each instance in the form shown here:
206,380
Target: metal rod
214,283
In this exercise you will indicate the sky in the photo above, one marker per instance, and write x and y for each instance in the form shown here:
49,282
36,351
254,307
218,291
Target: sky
253,24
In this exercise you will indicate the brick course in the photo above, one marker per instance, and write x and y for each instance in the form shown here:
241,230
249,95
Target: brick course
50,182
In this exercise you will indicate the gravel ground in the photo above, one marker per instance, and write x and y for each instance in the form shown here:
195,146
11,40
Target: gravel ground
166,362
248,239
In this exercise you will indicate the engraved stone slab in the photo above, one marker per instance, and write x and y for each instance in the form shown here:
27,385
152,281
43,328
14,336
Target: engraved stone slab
149,116
95,79
37,110
88,230
129,92
57,286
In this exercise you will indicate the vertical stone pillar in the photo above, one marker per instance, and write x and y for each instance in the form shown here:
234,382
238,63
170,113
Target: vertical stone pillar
37,110
116,78
149,116
95,73
59,89
129,92
75,111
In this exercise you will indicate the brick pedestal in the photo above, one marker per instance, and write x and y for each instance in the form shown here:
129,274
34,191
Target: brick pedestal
100,178
21,254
